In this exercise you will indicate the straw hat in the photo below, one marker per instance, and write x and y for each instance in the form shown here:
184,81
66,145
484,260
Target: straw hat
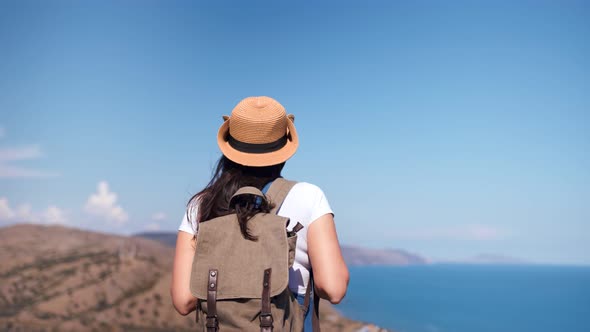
258,133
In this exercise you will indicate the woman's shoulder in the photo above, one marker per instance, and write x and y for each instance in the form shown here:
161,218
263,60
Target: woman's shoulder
306,191
306,187
307,202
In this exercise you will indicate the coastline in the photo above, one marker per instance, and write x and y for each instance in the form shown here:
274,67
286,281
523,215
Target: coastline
333,320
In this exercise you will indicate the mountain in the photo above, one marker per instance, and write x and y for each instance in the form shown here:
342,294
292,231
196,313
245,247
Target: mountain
167,238
57,278
54,278
354,256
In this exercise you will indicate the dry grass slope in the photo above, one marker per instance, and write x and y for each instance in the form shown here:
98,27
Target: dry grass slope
61,279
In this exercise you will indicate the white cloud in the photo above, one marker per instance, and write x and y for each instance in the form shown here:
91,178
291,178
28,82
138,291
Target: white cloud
7,171
9,155
159,216
152,227
20,153
24,213
103,204
54,215
6,212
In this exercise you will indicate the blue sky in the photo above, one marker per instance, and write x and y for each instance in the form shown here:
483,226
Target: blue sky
447,129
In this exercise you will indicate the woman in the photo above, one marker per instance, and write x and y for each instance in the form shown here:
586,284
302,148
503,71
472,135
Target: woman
256,140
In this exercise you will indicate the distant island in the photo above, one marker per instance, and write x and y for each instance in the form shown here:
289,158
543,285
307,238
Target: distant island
356,256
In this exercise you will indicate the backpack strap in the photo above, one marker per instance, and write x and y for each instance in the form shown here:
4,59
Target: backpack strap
278,191
265,314
315,318
212,322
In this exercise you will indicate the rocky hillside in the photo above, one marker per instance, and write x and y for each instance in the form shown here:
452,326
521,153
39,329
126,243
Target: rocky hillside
61,279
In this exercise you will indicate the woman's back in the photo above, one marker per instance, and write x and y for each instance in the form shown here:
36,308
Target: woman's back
304,204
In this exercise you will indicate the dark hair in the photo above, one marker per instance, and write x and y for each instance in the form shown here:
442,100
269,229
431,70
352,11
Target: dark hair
214,200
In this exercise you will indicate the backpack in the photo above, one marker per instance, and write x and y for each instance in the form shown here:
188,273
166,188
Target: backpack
243,285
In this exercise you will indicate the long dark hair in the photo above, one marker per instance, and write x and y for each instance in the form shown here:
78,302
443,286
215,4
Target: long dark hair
214,200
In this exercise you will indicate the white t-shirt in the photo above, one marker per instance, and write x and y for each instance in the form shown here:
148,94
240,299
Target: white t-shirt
304,204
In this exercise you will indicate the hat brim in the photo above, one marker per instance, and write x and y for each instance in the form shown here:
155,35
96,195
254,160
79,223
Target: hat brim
258,159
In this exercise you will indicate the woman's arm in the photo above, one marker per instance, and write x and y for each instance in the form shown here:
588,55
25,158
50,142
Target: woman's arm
182,299
330,273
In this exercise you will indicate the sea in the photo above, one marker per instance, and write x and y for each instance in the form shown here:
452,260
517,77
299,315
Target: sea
470,298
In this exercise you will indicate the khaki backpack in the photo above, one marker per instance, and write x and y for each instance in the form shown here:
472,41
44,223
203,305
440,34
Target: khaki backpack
243,285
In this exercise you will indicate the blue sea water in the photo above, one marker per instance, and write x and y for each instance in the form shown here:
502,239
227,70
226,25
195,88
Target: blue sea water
471,298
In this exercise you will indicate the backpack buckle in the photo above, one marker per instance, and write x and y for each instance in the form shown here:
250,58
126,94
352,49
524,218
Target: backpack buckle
212,323
266,320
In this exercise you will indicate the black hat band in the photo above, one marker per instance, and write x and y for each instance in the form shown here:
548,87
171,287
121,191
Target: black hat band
257,148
